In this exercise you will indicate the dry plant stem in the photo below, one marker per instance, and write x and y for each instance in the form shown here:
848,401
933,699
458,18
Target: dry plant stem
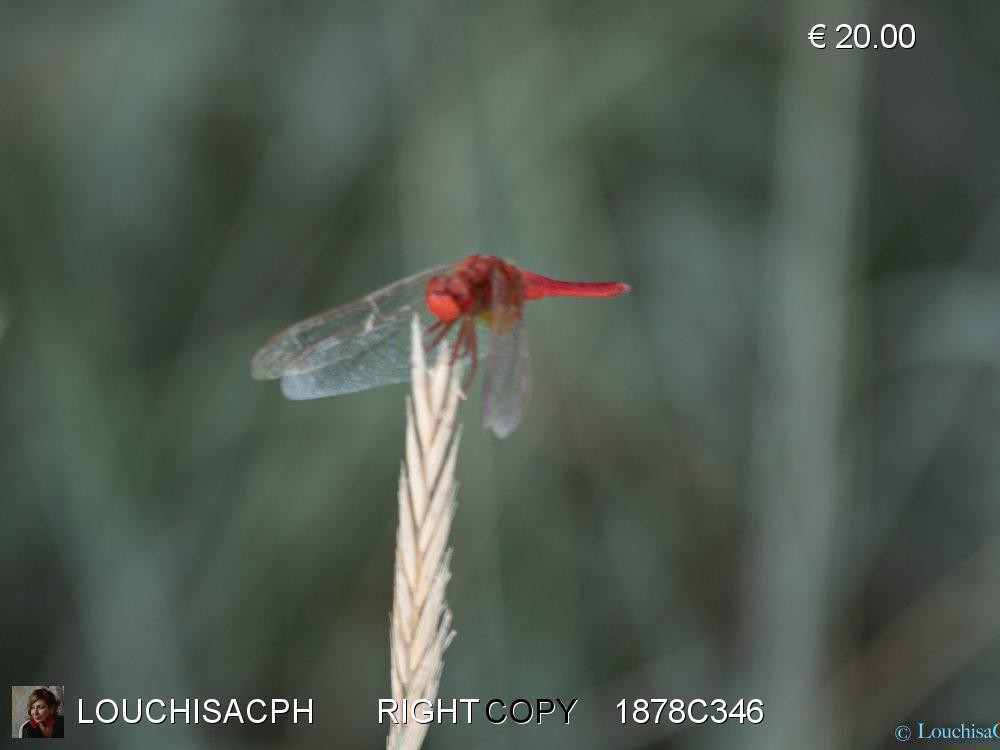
420,629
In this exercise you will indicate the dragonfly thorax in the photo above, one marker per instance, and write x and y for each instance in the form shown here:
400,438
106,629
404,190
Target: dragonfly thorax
464,292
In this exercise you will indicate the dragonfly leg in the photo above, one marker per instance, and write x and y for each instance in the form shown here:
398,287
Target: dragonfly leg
441,334
459,351
466,333
471,344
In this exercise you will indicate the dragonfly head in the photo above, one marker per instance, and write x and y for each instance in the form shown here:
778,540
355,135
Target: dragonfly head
447,297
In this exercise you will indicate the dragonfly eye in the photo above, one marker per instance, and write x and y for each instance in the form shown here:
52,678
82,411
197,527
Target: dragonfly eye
442,303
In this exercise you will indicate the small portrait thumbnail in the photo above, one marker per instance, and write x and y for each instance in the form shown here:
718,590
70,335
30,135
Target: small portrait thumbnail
36,711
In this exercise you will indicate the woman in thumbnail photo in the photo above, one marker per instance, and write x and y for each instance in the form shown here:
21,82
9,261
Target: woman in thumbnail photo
44,720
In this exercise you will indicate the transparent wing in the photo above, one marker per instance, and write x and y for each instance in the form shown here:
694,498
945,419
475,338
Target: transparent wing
347,334
383,364
507,384
386,361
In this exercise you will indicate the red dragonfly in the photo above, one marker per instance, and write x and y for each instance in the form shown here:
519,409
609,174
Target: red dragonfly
367,343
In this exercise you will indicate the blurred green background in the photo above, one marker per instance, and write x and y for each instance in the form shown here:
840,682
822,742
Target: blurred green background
769,472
